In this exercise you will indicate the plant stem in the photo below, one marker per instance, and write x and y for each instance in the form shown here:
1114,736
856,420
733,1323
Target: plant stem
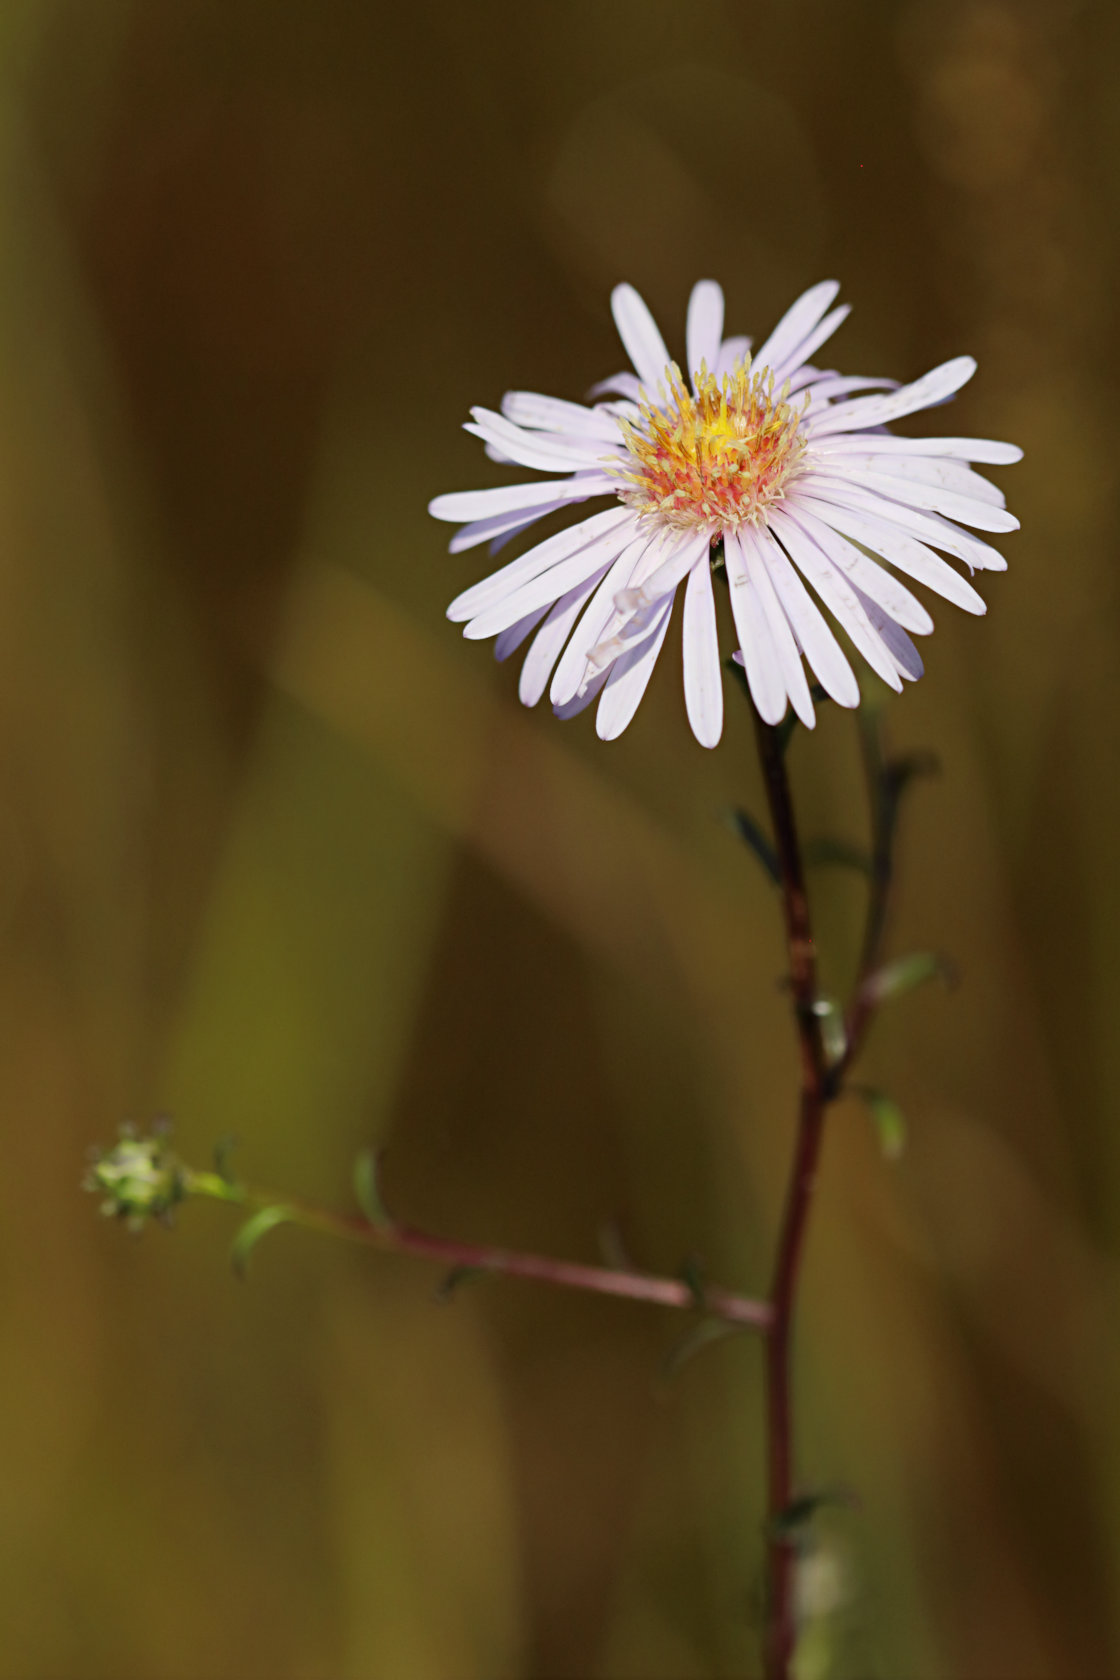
781,1631
393,1237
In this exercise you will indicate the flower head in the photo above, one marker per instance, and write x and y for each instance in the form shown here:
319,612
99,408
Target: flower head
764,461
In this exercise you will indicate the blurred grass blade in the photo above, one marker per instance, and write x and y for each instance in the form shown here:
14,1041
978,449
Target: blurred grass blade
253,1230
693,1341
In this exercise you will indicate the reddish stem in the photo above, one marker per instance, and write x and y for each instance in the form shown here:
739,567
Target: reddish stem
781,1630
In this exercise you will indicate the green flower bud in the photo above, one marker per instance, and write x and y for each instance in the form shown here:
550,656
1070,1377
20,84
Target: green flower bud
139,1178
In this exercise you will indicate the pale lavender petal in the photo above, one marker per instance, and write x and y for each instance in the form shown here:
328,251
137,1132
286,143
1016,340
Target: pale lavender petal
965,449
629,679
532,449
827,386
731,352
510,640
930,527
554,414
679,559
550,638
626,385
573,666
918,494
908,554
638,331
837,594
820,646
819,335
760,658
904,655
547,586
755,548
704,327
579,702
934,469
795,325
500,584
502,525
703,677
513,498
868,577
933,387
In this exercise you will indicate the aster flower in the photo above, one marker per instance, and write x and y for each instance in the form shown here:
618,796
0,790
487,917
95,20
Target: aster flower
765,462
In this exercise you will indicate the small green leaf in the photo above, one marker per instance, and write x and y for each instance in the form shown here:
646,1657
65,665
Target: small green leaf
367,1188
888,1119
253,1230
751,835
896,978
842,853
456,1278
223,1150
802,1509
694,1340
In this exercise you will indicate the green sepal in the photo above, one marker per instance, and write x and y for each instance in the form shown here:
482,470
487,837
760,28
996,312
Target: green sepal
367,1188
253,1230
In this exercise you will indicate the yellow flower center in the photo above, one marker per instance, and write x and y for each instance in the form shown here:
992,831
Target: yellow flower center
721,457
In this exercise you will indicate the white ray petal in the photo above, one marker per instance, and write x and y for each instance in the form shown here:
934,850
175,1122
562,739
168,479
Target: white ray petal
550,639
572,669
904,655
502,525
819,335
579,702
547,586
827,386
626,385
678,559
760,658
931,388
837,594
908,554
824,653
952,475
511,498
755,547
510,640
490,590
704,328
731,352
703,678
930,527
867,575
964,449
555,414
918,494
638,331
629,679
796,324
533,449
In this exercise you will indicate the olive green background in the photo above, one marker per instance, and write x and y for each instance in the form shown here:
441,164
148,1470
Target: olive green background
282,856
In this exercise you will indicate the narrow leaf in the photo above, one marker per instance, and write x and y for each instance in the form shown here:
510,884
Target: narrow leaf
751,835
253,1230
456,1278
694,1340
888,1119
367,1188
843,853
901,976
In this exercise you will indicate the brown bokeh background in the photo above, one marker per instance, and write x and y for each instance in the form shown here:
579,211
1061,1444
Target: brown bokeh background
281,855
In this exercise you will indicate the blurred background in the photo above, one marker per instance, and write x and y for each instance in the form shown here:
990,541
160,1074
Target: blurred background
282,856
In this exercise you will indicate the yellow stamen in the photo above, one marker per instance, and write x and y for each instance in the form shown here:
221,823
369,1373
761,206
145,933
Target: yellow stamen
721,457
